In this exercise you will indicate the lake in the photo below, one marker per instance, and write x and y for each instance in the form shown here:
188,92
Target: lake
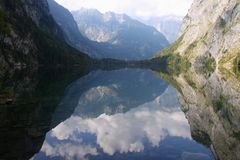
122,114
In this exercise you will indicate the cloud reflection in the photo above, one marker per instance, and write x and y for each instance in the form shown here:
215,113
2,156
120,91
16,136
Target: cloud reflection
126,132
68,150
122,132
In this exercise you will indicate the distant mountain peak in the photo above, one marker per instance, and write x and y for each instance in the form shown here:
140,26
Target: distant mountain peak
109,35
169,25
119,35
87,10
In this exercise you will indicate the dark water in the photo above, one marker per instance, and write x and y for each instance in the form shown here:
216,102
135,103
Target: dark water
120,114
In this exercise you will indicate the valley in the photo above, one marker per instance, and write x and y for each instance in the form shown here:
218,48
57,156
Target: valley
91,84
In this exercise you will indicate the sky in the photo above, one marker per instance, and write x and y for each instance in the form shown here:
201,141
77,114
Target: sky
136,8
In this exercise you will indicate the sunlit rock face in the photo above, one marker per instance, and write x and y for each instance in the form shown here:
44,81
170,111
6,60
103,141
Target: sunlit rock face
212,107
210,29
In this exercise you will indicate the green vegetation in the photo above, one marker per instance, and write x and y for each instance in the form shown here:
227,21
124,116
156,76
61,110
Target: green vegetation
231,61
178,64
45,83
237,135
236,67
228,57
169,79
175,62
46,45
192,46
54,51
170,49
4,28
221,103
208,63
190,81
202,137
5,90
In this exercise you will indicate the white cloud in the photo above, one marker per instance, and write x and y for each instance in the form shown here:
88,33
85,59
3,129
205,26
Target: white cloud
134,8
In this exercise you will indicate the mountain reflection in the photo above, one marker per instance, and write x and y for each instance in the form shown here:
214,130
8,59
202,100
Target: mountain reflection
120,114
34,96
122,117
112,92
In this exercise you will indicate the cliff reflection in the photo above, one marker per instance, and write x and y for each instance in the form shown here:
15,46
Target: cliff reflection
212,106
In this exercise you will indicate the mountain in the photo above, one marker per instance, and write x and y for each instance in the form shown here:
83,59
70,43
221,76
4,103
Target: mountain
118,35
210,98
169,26
210,38
29,36
72,35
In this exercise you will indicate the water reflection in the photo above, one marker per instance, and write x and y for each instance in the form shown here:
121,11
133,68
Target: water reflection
212,106
122,117
112,91
119,114
34,96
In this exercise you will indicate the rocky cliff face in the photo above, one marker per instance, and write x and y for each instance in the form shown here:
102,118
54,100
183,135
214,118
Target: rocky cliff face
210,98
211,28
30,36
38,11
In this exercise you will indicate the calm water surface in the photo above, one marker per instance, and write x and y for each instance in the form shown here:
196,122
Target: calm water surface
120,114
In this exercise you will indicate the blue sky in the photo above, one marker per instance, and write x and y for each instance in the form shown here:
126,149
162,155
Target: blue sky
136,8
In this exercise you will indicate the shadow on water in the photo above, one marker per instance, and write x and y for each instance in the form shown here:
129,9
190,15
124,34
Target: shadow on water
29,105
32,102
28,100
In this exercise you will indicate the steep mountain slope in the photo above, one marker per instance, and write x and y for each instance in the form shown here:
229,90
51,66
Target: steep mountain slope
168,25
210,32
72,35
210,100
118,35
30,36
